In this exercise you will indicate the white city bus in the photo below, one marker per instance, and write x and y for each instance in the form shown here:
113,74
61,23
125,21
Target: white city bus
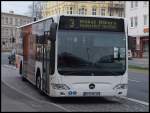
75,56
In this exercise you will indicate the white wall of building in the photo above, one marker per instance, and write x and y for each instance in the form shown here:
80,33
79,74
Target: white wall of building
138,12
8,27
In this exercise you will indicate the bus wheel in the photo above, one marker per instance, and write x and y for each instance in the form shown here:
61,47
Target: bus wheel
20,69
23,78
38,82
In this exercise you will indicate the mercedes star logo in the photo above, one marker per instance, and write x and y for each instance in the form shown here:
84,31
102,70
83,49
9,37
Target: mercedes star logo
92,86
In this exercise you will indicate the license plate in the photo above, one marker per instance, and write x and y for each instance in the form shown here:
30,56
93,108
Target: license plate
91,94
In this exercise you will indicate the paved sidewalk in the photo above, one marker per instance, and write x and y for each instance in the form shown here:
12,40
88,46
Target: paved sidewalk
139,62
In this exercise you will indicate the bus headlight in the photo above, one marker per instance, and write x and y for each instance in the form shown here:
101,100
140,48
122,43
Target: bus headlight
60,86
121,86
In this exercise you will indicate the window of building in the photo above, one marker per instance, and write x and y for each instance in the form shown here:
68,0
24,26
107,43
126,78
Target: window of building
102,12
79,11
131,20
145,3
71,10
6,20
16,21
93,11
24,22
11,21
3,42
7,32
145,47
82,11
2,19
67,10
111,13
131,4
85,11
2,31
14,32
145,19
60,10
120,13
135,21
11,32
136,3
20,21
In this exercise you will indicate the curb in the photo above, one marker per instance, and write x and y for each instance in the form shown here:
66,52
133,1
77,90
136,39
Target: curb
32,98
138,67
9,66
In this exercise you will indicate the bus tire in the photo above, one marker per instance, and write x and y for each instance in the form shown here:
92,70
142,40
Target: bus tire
20,69
23,78
38,80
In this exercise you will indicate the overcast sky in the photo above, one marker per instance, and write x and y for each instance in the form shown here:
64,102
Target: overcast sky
19,7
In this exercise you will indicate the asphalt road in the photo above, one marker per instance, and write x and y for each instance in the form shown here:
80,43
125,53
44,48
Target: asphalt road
12,100
138,86
16,94
22,96
144,62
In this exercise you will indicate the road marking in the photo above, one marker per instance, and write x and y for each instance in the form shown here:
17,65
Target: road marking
59,106
9,66
138,101
134,80
6,53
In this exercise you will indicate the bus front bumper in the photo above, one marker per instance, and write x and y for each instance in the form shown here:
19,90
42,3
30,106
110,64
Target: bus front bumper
72,93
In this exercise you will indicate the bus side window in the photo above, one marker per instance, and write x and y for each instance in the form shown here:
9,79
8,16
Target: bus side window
50,48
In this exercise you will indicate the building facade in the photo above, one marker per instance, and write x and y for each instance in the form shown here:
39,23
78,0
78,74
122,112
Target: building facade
9,24
137,14
37,9
103,8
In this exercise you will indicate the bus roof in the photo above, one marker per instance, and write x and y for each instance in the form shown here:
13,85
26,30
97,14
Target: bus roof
55,16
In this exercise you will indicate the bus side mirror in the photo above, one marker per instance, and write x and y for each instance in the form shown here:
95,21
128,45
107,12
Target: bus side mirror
53,29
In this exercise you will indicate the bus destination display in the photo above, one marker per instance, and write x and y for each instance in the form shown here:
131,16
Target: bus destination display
92,24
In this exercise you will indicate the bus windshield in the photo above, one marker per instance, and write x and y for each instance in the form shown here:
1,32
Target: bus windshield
95,53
